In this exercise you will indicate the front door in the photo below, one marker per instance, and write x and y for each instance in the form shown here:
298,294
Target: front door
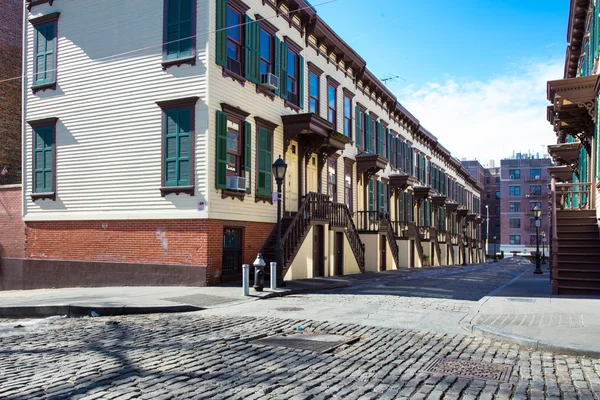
339,253
383,261
291,180
318,251
312,181
232,255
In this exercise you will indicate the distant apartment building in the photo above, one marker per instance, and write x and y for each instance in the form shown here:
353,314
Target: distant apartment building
510,193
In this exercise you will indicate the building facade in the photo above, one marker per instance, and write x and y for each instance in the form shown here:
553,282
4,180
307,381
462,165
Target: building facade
153,155
573,113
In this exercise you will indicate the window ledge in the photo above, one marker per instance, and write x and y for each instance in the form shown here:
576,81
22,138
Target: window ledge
291,105
43,196
234,194
227,73
165,190
178,62
264,199
37,88
268,93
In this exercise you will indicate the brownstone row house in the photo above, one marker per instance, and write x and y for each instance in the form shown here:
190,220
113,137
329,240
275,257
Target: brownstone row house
148,160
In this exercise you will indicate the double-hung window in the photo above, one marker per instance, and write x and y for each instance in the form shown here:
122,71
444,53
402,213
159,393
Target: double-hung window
514,190
535,190
266,51
235,40
514,223
45,51
179,36
233,149
514,206
515,239
313,93
292,77
348,96
178,127
514,174
535,174
44,159
331,104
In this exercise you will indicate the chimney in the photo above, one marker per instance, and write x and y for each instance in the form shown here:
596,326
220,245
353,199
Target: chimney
492,164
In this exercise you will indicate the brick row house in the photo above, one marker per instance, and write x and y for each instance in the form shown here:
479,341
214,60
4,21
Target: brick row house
574,200
149,142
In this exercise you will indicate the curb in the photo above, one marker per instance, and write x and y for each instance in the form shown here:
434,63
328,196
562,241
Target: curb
303,290
76,311
535,344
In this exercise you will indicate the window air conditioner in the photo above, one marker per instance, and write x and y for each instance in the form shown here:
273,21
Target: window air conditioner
236,183
269,81
537,177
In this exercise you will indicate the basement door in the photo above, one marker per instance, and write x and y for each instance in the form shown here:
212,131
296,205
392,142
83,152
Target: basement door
339,253
232,255
318,250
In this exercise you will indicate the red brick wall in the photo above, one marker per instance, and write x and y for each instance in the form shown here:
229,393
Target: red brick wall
186,242
12,228
11,17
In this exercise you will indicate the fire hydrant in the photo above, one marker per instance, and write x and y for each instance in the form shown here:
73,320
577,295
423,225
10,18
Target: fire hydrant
259,273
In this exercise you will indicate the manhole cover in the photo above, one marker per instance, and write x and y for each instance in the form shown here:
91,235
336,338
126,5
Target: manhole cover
286,309
469,369
320,343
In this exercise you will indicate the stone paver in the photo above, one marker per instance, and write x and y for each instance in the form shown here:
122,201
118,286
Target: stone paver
200,356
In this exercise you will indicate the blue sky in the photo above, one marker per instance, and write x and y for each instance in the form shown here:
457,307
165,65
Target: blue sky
466,52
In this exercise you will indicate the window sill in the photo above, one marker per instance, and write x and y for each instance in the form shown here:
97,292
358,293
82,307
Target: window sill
235,77
165,190
43,196
291,105
264,199
38,88
234,194
178,62
268,93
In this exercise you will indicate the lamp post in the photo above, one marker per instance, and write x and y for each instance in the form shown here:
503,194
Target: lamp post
543,247
537,213
464,229
487,230
279,170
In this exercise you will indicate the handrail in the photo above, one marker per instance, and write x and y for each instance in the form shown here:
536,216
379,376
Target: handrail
340,216
369,220
572,196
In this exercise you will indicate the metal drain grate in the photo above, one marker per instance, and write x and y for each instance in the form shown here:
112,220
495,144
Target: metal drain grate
469,369
287,309
320,343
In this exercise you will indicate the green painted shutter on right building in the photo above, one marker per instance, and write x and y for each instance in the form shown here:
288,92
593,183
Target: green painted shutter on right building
371,196
300,81
380,197
284,71
221,34
221,150
264,178
357,123
44,54
248,155
43,160
368,133
252,44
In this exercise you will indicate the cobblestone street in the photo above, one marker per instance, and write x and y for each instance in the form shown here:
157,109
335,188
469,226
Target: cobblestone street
207,357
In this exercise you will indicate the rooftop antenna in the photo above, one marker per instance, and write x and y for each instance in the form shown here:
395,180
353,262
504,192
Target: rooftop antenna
390,77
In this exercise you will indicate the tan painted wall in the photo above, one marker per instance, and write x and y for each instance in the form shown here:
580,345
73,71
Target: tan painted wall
302,266
350,263
404,253
371,242
457,255
390,263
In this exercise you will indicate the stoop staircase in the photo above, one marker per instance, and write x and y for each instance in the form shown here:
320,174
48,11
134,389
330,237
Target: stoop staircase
576,269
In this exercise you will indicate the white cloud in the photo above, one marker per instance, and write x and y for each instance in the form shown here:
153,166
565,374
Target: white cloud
488,119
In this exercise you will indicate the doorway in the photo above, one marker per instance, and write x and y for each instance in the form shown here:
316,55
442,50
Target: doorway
318,251
291,180
339,253
312,174
231,269
382,258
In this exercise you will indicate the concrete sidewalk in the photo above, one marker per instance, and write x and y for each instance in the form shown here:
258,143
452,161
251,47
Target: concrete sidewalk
104,301
525,312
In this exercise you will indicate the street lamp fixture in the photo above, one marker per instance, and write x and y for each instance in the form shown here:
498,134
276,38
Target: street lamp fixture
537,213
279,171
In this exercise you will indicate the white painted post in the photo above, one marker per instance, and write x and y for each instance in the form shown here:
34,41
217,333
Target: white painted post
246,279
273,275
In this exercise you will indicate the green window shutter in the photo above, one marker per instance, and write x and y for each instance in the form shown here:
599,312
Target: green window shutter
252,44
300,81
378,141
44,55
390,146
357,123
277,70
43,160
248,155
380,196
368,133
265,161
179,29
221,34
177,147
284,70
371,196
221,150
